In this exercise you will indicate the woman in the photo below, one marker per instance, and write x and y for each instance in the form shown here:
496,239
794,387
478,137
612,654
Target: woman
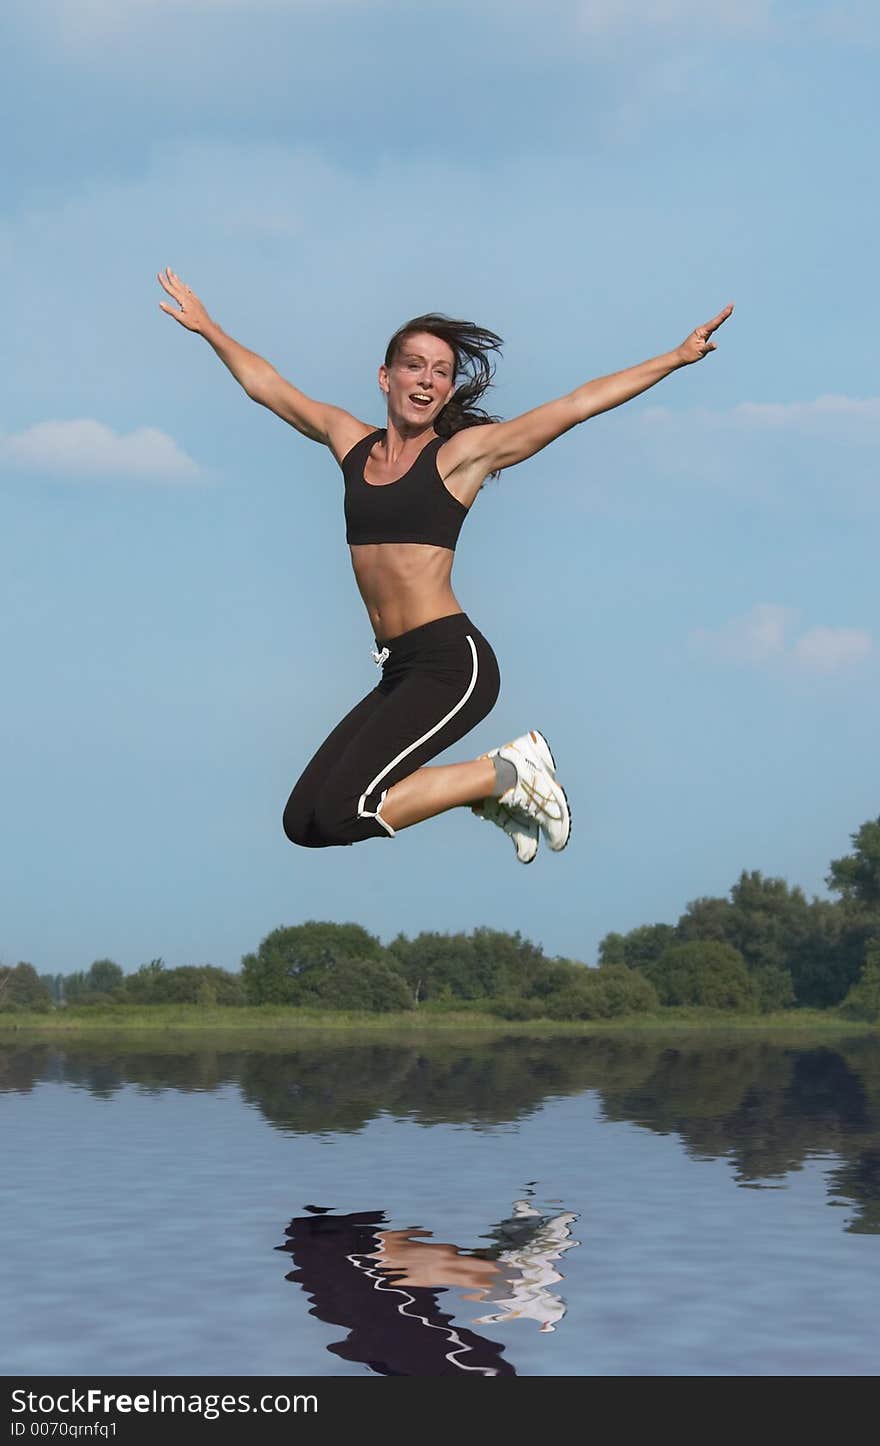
408,488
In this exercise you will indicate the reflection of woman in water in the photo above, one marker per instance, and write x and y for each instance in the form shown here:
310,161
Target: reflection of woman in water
384,1286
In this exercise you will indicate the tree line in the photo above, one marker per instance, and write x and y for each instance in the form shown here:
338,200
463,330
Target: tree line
763,947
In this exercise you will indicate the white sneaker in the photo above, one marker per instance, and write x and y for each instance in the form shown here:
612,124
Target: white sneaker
519,826
536,791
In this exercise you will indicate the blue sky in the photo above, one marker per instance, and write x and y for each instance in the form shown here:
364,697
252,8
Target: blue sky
682,594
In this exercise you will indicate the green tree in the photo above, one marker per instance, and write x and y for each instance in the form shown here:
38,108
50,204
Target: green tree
774,987
638,948
74,986
863,999
704,972
856,877
826,959
22,988
818,945
763,920
437,966
706,918
483,965
505,962
287,954
612,949
104,976
553,976
143,986
768,917
347,983
55,985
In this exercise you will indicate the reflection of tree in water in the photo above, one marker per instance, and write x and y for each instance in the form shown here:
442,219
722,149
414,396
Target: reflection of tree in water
767,1107
104,1067
858,1180
384,1286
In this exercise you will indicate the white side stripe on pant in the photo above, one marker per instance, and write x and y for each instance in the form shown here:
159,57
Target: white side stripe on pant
365,813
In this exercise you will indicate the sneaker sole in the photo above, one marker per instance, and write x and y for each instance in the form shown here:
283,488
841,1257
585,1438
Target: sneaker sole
544,747
568,835
476,809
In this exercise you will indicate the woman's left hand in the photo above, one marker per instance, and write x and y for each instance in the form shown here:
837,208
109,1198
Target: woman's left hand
698,345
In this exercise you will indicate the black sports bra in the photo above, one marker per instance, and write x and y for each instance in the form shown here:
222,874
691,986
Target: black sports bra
418,507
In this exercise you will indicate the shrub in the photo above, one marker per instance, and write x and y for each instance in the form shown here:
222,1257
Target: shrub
704,972
190,984
367,984
512,1006
605,993
774,989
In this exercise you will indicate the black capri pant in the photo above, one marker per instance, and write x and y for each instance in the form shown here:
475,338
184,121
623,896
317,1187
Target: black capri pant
438,682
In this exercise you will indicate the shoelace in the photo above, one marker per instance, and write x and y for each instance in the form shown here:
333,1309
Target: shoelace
379,658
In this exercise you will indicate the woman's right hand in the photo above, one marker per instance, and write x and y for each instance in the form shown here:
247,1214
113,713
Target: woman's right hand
192,314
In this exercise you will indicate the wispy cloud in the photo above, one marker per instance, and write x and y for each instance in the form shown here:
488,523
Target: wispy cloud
765,636
829,413
86,448
757,637
820,452
840,409
826,650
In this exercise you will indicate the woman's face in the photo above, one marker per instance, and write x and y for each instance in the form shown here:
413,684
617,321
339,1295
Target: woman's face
420,380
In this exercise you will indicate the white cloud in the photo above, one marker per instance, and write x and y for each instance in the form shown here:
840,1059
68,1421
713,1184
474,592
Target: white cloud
757,637
831,412
764,636
825,650
820,453
86,448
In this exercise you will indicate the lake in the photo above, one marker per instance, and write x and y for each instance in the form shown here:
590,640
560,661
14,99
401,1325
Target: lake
551,1206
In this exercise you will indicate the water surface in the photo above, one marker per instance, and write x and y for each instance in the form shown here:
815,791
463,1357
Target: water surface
562,1206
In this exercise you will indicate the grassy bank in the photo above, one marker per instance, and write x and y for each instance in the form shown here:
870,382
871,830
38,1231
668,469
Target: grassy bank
193,1019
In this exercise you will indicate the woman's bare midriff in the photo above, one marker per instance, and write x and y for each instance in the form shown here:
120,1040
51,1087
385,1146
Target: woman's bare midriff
404,585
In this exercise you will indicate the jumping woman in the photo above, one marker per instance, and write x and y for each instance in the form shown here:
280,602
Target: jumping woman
408,488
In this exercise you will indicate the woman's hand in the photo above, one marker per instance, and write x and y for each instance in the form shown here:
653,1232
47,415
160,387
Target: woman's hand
698,345
192,314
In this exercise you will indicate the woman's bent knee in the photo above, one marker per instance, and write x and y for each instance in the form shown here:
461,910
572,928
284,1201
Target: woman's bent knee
299,826
339,822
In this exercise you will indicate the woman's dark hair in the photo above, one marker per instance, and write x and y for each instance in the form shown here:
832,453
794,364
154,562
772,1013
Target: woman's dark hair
471,346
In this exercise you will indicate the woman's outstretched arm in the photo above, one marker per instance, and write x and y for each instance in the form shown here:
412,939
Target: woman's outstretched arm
337,429
478,451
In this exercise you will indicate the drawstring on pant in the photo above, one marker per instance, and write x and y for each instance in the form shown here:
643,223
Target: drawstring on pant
379,658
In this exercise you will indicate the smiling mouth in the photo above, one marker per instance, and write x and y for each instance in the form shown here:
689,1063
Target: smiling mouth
420,400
